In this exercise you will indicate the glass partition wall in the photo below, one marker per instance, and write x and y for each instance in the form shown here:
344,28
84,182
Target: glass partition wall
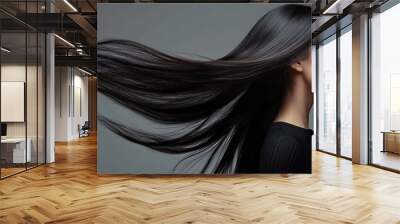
22,78
334,94
13,112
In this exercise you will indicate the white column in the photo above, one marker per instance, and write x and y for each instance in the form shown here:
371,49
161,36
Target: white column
360,90
50,92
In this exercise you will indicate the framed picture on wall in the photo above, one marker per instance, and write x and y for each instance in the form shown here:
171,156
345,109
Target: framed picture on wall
12,101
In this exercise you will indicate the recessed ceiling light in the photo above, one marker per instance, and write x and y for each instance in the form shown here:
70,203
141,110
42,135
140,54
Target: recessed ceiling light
5,50
64,40
338,6
84,71
70,5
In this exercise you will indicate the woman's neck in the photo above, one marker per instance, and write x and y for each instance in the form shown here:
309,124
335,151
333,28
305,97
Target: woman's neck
297,103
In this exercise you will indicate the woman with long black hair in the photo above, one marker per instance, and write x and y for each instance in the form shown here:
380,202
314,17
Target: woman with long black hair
246,112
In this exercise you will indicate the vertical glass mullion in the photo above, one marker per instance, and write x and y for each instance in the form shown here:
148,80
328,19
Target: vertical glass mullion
338,91
317,97
26,86
369,76
37,89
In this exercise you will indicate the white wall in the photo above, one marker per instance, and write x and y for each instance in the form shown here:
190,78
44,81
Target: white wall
61,103
71,93
79,110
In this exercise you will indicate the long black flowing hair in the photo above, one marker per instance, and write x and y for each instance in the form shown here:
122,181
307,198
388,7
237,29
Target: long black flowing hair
225,105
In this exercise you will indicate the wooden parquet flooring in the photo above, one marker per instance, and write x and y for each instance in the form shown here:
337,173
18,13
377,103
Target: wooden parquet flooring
70,191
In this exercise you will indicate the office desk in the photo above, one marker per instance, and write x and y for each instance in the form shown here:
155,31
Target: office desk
15,148
391,141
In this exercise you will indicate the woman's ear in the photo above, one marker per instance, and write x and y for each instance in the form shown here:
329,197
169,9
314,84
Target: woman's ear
297,66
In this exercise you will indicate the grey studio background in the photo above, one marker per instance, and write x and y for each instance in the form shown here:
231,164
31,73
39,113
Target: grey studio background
209,30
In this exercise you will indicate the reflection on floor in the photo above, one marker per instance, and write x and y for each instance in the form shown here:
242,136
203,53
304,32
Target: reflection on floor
387,159
11,169
70,191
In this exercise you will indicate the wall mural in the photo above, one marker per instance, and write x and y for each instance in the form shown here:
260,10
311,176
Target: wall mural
204,88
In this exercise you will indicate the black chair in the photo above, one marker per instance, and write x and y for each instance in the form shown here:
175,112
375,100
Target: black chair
84,130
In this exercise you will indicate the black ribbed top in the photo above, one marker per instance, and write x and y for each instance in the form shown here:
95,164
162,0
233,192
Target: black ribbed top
286,149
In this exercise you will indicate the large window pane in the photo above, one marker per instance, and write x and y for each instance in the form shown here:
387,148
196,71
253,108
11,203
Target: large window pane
41,97
33,84
327,96
346,93
31,99
385,87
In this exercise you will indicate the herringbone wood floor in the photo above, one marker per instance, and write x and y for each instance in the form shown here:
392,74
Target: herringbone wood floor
70,191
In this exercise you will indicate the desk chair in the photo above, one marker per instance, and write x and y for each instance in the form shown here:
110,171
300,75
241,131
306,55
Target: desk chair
84,130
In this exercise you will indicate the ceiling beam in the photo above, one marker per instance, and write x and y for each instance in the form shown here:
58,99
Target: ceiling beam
86,27
81,61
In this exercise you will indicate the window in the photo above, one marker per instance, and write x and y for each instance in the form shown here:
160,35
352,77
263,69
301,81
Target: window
385,89
346,92
326,94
